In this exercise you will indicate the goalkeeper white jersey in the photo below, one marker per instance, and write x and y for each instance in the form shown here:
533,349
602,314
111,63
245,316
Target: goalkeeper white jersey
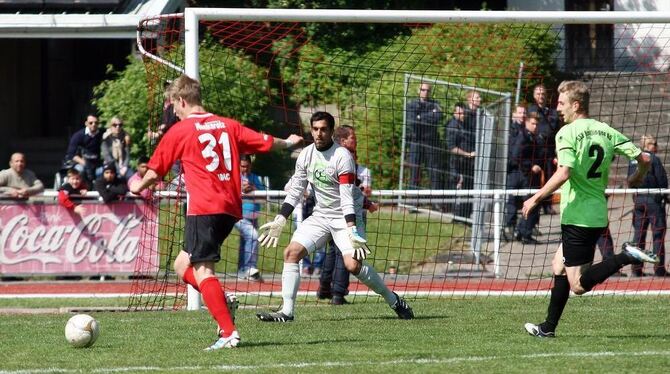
331,174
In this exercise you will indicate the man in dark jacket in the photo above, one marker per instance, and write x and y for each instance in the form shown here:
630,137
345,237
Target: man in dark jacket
83,151
650,209
424,117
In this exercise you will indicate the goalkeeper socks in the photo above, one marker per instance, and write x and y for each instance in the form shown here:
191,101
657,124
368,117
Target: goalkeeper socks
189,278
290,281
559,297
599,272
370,278
215,300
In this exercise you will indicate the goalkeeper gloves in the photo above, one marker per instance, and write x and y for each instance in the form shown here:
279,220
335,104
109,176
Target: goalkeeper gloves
361,250
270,232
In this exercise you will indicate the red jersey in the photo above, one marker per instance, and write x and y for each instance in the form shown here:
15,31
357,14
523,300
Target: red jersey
209,148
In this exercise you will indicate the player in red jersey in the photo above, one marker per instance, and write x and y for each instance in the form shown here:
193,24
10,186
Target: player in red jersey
209,148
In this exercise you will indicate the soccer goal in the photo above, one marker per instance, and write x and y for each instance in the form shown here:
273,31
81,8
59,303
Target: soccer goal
271,68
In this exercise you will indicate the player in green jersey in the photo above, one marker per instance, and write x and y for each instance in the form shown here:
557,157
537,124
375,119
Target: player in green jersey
585,148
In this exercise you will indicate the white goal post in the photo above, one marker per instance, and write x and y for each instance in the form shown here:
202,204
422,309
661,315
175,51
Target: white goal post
193,17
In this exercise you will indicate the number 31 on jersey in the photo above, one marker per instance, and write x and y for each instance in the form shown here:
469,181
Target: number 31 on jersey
209,153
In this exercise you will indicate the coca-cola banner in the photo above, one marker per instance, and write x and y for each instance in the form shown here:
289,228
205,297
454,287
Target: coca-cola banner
49,239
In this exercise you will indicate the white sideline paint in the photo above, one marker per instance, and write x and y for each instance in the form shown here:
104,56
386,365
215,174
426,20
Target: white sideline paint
332,364
533,293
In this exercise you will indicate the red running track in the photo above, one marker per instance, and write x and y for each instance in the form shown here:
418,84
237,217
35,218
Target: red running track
446,285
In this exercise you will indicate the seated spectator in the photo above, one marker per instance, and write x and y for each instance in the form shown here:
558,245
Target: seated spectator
83,151
115,147
18,182
109,186
139,174
73,189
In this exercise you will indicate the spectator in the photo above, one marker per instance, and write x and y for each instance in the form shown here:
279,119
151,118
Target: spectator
524,171
109,186
650,209
461,143
168,119
334,280
83,151
18,182
518,122
424,117
116,147
514,176
139,174
72,191
547,127
248,225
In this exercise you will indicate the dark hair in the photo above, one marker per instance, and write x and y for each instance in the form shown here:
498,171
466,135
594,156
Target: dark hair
72,171
321,116
246,158
342,132
459,105
109,166
142,160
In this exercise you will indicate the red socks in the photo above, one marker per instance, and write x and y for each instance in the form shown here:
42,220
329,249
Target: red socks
215,300
189,278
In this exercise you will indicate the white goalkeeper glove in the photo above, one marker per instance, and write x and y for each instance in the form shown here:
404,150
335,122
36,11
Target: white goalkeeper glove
270,232
361,250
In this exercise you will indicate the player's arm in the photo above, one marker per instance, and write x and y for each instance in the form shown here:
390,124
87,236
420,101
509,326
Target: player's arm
150,177
278,144
561,176
643,164
269,233
166,153
347,181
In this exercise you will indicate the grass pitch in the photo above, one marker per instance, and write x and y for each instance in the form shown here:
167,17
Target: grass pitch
597,334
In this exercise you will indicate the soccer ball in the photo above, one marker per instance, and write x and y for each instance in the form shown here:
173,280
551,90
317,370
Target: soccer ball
82,330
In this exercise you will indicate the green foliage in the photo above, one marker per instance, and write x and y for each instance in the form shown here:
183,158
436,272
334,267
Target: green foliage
233,86
369,89
125,95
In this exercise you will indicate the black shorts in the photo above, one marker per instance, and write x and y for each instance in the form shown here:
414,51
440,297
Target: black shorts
579,243
205,234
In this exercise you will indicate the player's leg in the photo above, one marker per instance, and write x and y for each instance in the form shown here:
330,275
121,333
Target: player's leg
560,293
368,276
184,269
585,279
311,234
204,236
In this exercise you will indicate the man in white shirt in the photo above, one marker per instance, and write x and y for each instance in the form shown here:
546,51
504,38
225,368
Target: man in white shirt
330,169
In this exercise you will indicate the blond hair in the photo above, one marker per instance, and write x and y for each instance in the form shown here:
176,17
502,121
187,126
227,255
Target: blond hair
186,88
646,138
576,91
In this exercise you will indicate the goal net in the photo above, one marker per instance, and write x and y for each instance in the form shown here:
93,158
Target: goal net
447,171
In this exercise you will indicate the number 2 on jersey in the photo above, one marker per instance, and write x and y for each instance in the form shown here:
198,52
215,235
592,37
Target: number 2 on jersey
599,152
209,153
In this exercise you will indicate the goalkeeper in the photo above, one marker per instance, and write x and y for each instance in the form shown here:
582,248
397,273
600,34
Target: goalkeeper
330,169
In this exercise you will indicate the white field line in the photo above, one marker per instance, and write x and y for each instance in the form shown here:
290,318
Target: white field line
343,364
357,293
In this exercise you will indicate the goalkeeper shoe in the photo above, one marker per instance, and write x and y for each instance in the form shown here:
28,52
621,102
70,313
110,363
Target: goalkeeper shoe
639,255
274,317
230,342
536,330
401,308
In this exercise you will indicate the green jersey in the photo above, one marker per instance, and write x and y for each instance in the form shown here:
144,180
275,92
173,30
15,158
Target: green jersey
587,147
